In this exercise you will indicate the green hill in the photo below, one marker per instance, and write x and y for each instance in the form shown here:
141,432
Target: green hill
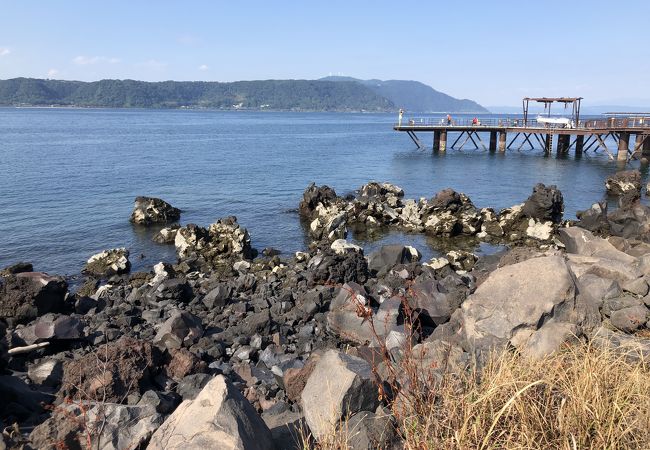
416,96
299,95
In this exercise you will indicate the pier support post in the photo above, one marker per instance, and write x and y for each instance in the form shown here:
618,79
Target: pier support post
580,143
502,141
443,140
646,146
548,143
562,143
623,145
638,145
493,141
436,141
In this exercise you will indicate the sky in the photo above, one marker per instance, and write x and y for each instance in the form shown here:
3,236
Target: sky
492,52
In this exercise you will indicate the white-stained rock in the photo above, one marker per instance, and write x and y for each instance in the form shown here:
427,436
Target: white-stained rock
341,247
108,263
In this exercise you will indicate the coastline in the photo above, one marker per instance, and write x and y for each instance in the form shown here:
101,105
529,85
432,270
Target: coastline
256,323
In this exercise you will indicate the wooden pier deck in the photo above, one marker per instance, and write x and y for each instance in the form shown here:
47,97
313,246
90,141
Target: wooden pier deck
522,132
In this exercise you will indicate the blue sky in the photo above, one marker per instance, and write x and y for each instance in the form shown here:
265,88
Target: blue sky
493,52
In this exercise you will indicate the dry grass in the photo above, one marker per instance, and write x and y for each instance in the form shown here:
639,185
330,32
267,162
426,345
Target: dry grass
580,398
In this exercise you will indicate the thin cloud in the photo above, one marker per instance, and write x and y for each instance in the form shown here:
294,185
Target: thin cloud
4,51
88,60
152,64
203,67
189,39
52,73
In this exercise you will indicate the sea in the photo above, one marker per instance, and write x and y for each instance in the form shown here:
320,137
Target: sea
69,177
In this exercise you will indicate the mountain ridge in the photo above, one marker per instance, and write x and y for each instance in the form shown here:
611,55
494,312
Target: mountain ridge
340,94
415,96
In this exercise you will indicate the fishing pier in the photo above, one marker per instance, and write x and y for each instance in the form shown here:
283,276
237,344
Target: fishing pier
629,133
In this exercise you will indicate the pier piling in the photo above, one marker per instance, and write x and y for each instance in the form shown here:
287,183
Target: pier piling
502,141
623,145
580,143
493,141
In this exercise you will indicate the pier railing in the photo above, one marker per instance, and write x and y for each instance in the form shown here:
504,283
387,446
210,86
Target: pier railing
510,122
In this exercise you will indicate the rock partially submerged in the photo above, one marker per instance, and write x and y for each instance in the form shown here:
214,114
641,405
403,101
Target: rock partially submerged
223,241
151,210
108,263
623,182
447,214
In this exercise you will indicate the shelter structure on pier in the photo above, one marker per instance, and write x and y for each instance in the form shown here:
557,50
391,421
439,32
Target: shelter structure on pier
545,129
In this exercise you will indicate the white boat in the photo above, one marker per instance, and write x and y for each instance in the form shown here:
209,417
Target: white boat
562,121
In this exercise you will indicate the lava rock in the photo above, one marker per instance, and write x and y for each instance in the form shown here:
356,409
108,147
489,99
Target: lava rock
108,263
150,210
545,203
27,295
623,181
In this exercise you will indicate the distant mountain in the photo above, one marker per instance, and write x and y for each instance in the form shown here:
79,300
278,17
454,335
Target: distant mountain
294,95
415,96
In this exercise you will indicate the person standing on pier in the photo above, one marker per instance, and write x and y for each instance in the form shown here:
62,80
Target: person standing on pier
448,119
399,121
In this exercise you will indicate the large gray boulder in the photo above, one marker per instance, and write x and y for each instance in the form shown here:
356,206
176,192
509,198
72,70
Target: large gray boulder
219,417
582,242
517,301
344,317
150,210
340,385
27,295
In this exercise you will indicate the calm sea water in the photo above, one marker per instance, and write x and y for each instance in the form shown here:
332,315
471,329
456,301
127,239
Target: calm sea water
68,177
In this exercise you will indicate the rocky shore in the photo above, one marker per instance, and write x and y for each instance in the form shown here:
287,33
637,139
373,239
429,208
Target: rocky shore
231,347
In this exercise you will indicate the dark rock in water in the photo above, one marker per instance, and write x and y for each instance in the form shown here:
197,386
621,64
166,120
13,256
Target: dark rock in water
314,195
166,235
270,251
223,241
624,181
108,263
381,190
113,371
27,295
594,219
149,210
546,203
388,256
19,267
446,199
629,198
